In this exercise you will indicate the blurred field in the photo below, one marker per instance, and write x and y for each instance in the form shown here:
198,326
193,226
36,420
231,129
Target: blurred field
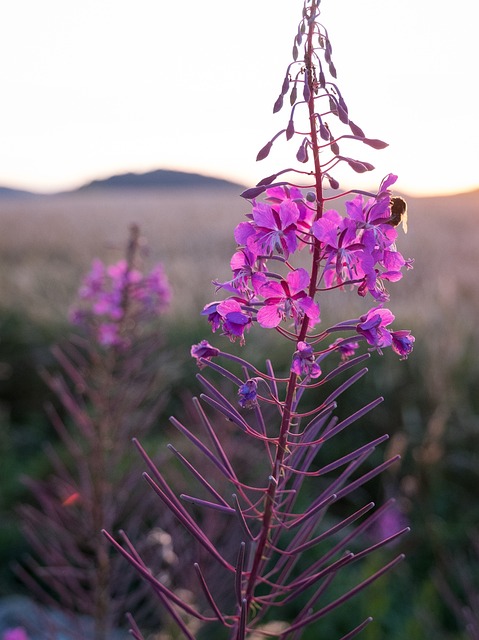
432,400
47,243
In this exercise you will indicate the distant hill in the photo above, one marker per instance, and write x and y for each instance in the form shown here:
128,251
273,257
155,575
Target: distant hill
7,192
159,179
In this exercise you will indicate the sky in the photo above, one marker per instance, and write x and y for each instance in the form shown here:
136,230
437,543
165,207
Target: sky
99,87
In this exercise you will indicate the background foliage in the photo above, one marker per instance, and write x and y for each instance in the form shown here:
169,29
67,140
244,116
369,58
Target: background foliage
431,400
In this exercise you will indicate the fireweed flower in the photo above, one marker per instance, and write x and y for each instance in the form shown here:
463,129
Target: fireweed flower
304,363
155,292
347,348
246,267
359,248
235,320
285,193
373,325
353,248
391,521
272,228
17,633
248,394
211,312
287,299
402,343
109,295
340,248
109,335
204,351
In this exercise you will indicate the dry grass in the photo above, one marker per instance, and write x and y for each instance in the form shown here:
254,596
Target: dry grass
48,242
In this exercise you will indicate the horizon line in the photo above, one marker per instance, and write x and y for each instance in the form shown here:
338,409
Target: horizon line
72,187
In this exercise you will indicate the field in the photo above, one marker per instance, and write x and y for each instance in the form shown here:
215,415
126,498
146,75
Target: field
48,241
432,404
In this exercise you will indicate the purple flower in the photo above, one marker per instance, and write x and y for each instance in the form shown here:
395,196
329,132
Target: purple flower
371,217
214,318
155,290
347,348
402,343
373,327
272,228
18,633
93,282
108,293
247,394
246,268
285,193
203,351
340,247
109,335
303,363
390,522
287,299
389,180
228,315
234,320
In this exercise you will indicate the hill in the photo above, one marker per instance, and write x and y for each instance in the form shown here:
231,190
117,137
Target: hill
159,179
7,192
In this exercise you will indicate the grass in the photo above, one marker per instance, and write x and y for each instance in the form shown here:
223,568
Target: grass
431,406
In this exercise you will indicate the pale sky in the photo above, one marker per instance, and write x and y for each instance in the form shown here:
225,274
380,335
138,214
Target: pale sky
97,87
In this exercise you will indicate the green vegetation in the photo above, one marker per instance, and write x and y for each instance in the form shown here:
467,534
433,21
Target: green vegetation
431,407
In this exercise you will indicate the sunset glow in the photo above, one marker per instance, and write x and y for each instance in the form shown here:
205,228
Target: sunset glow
102,87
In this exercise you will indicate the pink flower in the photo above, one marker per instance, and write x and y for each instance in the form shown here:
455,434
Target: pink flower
403,343
203,351
373,327
287,299
347,348
107,293
109,336
235,321
275,228
304,363
340,247
246,267
214,318
18,633
247,394
230,316
282,193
